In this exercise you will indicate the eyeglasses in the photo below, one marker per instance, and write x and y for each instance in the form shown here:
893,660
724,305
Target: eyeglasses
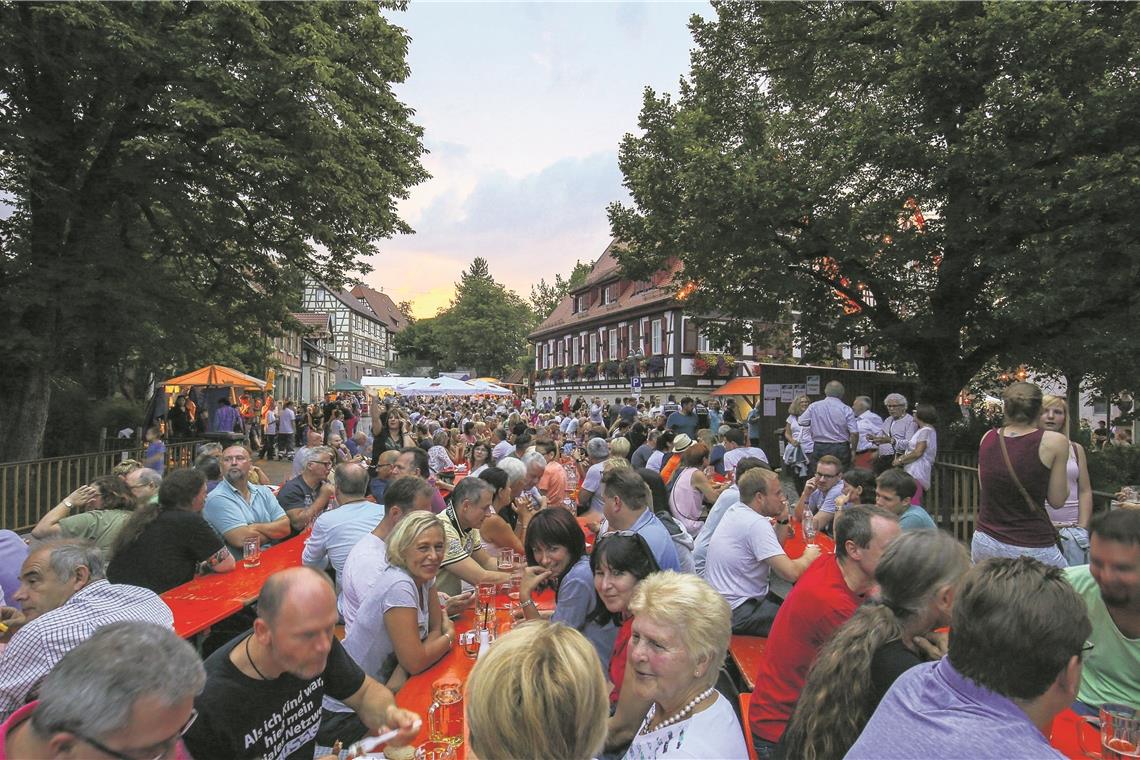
143,754
1088,647
321,462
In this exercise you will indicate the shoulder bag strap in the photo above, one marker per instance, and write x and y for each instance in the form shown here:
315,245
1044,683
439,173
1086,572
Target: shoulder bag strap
1025,494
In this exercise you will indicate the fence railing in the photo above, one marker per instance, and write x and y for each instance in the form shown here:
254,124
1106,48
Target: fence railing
955,493
30,488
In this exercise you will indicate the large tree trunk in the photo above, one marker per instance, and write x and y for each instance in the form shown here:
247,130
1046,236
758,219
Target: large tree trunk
25,393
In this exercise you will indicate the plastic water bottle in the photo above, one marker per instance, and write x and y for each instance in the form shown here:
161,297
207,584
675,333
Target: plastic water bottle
809,526
571,477
484,643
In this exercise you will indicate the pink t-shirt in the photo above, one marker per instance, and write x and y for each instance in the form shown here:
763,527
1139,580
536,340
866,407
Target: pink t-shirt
553,483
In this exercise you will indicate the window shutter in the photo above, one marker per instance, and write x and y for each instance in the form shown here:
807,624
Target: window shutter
689,340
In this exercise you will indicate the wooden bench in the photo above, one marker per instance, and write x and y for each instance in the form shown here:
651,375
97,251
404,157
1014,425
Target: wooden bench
745,652
745,700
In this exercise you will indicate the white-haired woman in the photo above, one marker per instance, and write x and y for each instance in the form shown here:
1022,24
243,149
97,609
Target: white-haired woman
674,659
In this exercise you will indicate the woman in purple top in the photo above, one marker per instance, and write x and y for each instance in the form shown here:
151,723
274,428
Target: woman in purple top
1009,524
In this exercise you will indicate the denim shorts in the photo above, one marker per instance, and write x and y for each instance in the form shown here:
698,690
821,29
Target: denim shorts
983,547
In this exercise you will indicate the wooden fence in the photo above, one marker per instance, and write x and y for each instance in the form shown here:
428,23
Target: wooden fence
955,493
29,489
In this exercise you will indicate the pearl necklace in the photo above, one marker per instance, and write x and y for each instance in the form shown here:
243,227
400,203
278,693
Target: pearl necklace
676,716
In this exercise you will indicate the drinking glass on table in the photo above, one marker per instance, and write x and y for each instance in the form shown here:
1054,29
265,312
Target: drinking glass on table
434,750
251,551
445,716
486,592
469,642
1119,733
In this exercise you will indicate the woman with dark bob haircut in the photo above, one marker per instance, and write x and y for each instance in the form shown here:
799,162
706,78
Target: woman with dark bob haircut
620,561
556,555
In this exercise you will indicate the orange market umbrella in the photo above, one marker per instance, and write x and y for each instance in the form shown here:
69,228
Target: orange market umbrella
740,386
216,374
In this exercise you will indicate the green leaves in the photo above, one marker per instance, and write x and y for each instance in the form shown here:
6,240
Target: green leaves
784,173
181,164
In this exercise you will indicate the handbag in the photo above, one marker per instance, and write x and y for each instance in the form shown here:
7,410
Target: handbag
1033,507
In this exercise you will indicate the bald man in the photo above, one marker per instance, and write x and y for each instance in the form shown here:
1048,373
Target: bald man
264,689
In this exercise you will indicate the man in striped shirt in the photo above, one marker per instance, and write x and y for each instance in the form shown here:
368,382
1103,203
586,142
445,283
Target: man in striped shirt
66,598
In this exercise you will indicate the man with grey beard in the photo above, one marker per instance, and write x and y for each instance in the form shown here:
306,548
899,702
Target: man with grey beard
239,509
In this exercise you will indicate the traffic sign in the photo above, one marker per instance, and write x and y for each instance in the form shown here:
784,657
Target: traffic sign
635,385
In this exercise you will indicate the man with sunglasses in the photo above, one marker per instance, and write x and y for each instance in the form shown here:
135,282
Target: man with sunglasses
309,494
239,509
125,693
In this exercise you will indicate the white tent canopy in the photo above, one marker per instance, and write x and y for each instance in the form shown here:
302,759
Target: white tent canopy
490,389
386,381
438,386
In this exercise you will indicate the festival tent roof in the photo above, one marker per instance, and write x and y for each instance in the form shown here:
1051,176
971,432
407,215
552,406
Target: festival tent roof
439,386
346,385
217,375
489,388
386,381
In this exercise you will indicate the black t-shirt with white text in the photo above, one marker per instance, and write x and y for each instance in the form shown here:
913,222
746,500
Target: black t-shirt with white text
243,717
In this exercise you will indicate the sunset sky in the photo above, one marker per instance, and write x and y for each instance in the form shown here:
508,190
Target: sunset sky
523,106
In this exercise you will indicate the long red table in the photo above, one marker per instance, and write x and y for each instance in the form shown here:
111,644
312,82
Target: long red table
1063,735
416,692
210,598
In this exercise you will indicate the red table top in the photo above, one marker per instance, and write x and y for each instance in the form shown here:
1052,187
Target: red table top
416,693
192,616
795,545
1063,735
209,598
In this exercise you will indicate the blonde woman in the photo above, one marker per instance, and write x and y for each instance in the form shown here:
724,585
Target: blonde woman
399,628
798,443
674,659
918,575
1072,519
553,680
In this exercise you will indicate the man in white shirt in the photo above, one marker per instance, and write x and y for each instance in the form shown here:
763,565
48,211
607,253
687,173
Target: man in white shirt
736,449
65,597
746,548
336,531
832,425
728,497
870,427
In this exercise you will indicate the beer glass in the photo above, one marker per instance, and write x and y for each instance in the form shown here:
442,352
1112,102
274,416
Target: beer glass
445,716
251,552
1119,733
469,642
434,750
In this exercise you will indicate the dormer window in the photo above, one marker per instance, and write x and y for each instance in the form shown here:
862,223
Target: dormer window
580,303
609,294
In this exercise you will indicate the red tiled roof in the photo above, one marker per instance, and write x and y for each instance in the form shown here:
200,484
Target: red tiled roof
606,269
312,322
382,306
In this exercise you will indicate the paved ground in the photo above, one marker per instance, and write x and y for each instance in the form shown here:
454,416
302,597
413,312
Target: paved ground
278,470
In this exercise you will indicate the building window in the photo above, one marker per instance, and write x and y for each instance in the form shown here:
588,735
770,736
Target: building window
593,347
614,344
609,294
657,329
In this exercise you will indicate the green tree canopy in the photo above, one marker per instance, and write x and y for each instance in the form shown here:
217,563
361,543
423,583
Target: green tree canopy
486,325
783,175
544,297
174,167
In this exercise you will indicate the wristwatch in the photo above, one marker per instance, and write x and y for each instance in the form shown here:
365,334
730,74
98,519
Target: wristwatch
67,503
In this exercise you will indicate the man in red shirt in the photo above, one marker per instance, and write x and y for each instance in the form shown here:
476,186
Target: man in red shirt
823,599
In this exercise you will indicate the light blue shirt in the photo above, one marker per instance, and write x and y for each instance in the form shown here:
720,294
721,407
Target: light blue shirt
727,498
336,531
830,421
226,509
825,502
916,518
659,540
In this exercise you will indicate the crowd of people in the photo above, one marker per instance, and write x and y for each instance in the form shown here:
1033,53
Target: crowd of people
688,520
